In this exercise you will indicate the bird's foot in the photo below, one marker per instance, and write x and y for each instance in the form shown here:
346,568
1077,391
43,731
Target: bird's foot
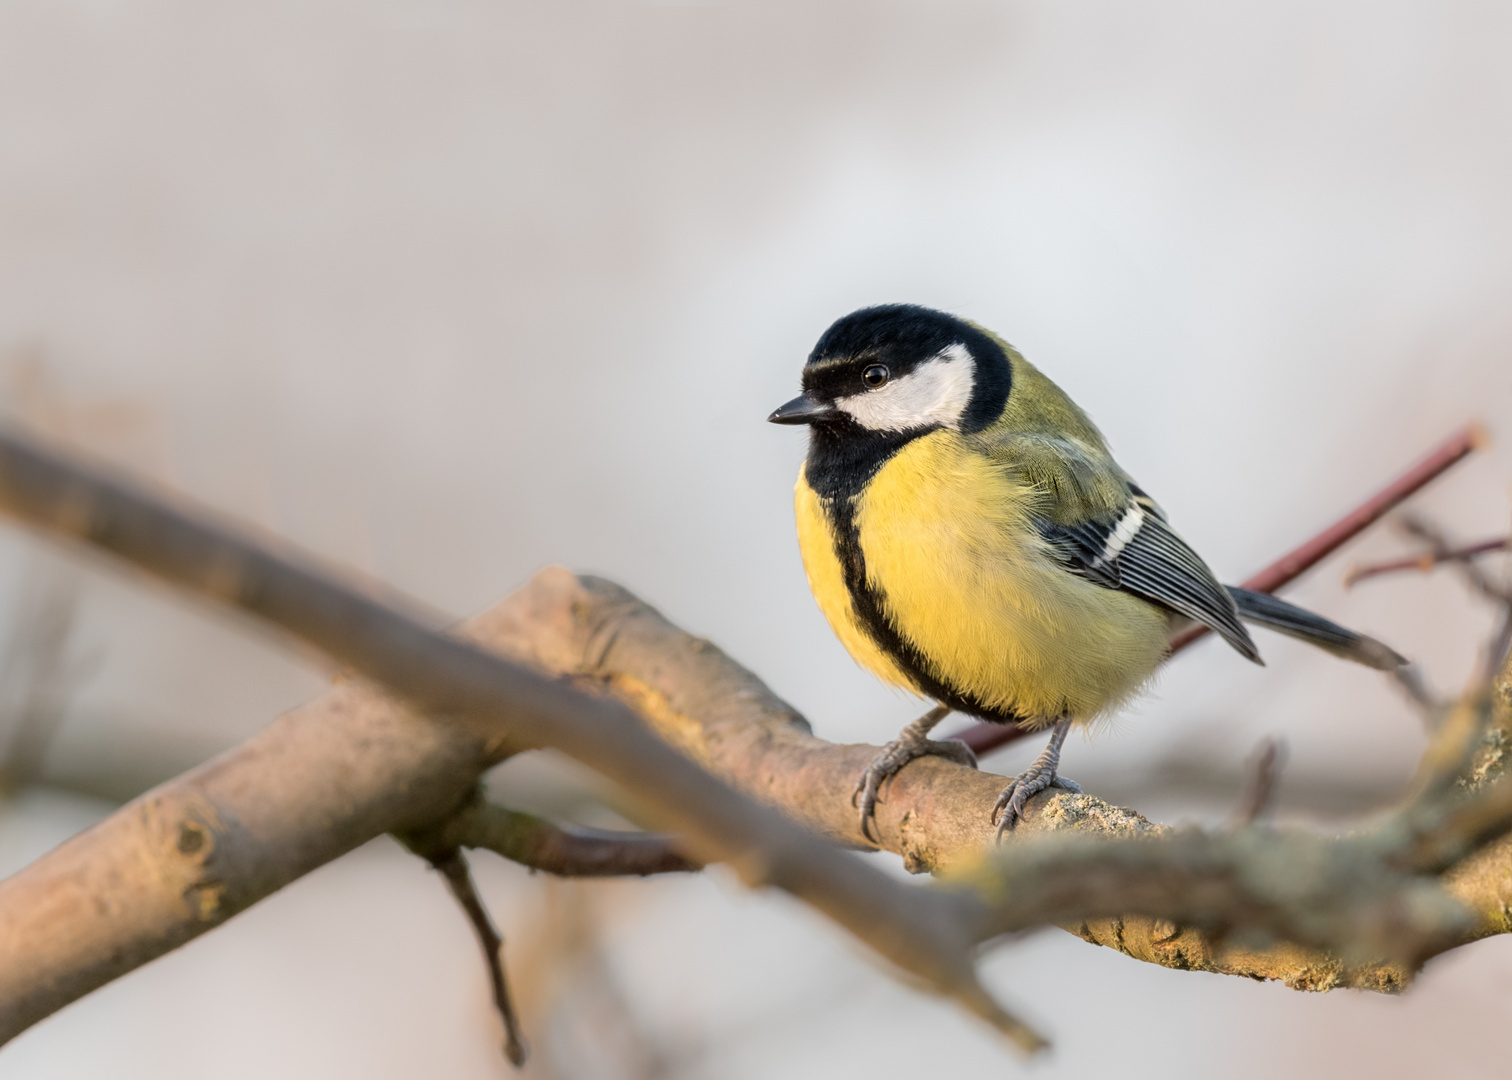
1009,808
908,746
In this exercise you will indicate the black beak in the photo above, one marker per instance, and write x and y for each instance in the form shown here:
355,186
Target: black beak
802,410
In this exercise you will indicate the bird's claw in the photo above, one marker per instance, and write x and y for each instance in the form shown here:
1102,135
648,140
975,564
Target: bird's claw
1009,808
887,764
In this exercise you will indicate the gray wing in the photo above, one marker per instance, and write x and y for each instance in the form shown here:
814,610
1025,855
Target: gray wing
1138,552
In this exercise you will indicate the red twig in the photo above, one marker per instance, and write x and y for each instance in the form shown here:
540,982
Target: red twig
983,738
1426,561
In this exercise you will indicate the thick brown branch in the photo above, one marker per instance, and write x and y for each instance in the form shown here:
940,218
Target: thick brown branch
935,814
201,848
1270,885
1375,894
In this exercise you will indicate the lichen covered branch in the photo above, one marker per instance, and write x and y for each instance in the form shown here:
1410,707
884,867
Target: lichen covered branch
935,814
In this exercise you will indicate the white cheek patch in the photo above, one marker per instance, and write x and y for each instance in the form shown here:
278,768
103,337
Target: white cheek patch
935,392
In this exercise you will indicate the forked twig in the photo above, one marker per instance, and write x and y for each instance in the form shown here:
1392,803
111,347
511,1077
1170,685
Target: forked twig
1443,550
1478,579
567,851
1426,561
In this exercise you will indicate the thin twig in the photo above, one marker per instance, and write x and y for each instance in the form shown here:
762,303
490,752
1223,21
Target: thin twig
1478,579
563,850
1443,549
534,842
983,738
1425,562
37,674
453,867
1260,791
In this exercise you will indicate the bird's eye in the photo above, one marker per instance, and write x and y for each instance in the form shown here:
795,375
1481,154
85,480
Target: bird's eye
874,376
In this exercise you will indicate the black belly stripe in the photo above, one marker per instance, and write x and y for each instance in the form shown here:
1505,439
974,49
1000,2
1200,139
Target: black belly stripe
843,457
870,605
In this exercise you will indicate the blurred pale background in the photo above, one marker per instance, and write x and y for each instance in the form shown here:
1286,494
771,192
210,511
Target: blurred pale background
448,291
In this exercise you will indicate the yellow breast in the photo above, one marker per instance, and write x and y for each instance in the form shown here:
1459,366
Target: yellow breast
953,557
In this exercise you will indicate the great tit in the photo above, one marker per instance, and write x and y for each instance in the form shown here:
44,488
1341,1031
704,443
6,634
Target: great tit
970,538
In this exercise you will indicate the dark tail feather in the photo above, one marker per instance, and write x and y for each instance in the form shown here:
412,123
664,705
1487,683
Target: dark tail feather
1262,609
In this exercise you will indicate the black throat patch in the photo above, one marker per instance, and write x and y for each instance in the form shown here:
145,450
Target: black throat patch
840,464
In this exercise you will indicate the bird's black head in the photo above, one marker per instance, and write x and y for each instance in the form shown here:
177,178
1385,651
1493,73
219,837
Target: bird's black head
900,368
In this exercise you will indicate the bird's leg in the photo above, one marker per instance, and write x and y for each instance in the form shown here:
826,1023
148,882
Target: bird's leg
912,742
1033,780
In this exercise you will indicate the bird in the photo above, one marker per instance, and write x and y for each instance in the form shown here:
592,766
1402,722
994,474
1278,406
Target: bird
970,538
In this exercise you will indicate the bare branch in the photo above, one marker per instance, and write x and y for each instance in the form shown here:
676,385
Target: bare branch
196,851
1443,550
563,850
1497,592
1459,829
1262,885
983,738
1424,562
37,674
524,838
935,812
356,763
1373,896
453,867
